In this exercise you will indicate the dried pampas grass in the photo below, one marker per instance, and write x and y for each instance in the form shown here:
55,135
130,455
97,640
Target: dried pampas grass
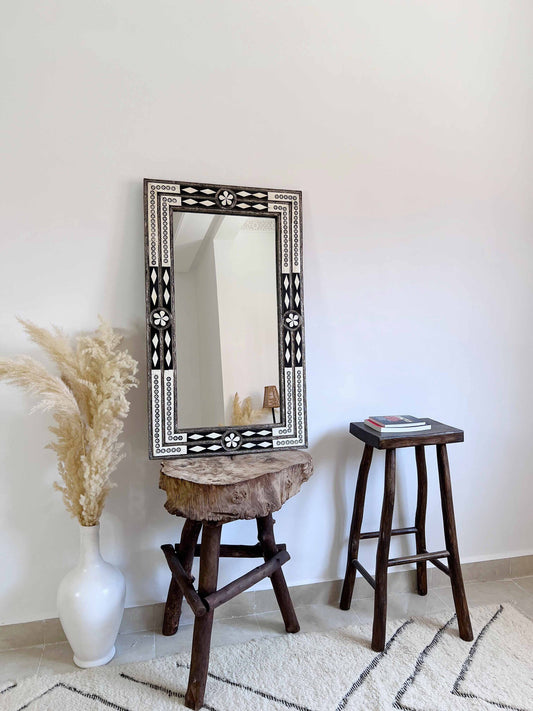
88,403
244,413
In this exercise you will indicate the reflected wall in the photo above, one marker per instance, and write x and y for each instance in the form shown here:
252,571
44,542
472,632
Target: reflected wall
226,315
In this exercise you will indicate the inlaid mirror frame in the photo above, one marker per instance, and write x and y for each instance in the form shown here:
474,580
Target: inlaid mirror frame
162,198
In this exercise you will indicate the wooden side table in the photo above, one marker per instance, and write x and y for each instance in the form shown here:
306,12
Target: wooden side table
439,435
209,492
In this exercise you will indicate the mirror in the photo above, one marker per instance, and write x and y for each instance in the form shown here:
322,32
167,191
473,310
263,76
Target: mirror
227,323
225,319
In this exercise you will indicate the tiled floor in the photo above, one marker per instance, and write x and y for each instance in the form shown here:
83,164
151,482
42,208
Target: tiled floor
138,646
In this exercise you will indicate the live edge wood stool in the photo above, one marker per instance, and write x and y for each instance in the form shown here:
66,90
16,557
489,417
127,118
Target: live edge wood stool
439,435
209,492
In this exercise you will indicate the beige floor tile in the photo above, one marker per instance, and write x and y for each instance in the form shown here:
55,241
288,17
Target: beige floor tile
521,565
232,631
57,659
314,594
240,606
525,583
53,631
399,582
138,619
271,623
492,592
28,634
481,571
134,647
312,618
265,600
180,642
187,616
19,663
235,630
402,605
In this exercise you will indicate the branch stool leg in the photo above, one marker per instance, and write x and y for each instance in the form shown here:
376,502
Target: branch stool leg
420,519
265,531
450,535
201,640
189,536
382,556
355,528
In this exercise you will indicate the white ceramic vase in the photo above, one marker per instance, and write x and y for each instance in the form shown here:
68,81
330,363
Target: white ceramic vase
90,600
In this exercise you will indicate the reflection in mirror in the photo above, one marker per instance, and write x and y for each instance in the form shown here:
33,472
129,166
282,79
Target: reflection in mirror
226,316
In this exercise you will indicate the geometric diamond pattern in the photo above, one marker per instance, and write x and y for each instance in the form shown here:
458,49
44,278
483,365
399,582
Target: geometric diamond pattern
161,199
425,665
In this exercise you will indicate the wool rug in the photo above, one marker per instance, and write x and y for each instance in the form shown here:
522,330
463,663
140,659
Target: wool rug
425,667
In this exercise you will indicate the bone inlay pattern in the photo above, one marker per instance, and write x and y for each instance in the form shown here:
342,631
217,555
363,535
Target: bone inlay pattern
162,199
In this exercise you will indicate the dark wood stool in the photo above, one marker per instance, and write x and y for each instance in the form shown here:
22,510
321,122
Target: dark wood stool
439,435
209,492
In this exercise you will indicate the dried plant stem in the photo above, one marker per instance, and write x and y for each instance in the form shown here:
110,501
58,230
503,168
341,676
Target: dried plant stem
243,413
88,403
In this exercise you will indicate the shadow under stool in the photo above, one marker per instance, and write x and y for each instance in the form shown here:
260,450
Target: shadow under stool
439,435
209,492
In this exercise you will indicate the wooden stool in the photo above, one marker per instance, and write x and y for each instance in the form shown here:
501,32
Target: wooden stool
209,492
440,435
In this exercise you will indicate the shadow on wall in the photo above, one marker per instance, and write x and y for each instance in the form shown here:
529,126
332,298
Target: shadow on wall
135,510
337,455
40,503
342,470
134,523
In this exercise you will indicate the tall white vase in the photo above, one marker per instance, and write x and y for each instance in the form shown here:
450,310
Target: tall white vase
90,600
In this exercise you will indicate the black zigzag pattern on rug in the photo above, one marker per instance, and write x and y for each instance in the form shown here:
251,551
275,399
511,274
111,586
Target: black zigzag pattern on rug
157,687
93,697
7,688
244,687
418,667
373,664
468,661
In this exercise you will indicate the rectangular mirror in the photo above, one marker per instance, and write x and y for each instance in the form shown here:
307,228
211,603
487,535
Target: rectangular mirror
224,319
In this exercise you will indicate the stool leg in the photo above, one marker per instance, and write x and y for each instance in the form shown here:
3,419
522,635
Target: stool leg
420,519
201,640
450,535
189,536
355,528
265,534
382,556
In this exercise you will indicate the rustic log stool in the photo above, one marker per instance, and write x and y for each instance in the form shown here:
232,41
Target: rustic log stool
440,435
209,492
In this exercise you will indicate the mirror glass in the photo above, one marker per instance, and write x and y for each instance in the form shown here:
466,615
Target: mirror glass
226,316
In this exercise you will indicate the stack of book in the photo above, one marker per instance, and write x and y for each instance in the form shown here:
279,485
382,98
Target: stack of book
396,423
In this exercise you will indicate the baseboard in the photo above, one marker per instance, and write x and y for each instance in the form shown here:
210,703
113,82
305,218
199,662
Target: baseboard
149,618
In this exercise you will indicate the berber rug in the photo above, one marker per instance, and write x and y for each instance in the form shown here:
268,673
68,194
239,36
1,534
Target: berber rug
425,667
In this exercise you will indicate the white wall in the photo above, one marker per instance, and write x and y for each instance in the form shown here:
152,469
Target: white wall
248,314
206,306
408,127
187,355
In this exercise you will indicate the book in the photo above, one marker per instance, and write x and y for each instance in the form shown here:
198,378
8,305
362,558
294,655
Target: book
396,420
396,423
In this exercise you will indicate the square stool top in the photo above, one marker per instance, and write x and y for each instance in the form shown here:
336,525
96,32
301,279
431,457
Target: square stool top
438,434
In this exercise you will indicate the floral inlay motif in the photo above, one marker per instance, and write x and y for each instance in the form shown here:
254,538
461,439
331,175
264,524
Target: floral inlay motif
232,440
292,320
226,198
160,318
